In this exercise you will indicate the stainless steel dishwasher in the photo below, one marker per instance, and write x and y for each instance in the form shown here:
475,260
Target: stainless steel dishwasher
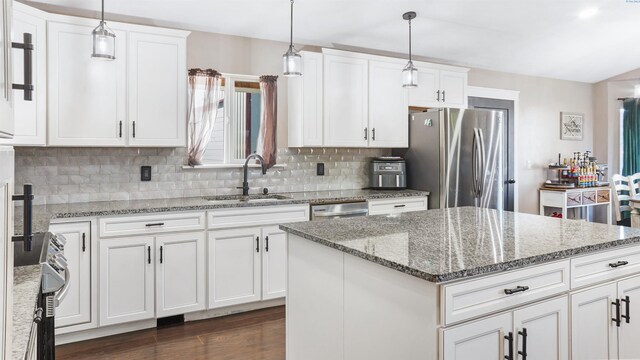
340,210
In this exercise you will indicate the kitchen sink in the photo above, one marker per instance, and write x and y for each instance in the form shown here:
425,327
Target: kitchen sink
257,198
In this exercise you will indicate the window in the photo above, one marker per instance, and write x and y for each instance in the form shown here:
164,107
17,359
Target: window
237,125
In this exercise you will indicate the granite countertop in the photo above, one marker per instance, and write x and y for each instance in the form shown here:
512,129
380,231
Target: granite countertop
42,214
450,244
26,284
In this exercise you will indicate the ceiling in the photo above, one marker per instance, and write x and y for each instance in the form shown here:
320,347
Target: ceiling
535,37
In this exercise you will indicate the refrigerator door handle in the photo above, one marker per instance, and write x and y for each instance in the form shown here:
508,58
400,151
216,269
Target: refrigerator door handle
474,163
482,161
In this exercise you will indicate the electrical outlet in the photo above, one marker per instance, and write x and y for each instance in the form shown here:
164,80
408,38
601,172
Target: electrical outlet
145,173
320,169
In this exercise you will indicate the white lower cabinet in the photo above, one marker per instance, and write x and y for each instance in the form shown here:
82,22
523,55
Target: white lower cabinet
274,263
540,331
180,273
629,294
126,279
75,308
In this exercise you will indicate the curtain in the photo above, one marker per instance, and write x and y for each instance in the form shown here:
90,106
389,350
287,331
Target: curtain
631,137
269,114
203,96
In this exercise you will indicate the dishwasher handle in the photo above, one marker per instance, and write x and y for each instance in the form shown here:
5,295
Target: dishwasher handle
343,213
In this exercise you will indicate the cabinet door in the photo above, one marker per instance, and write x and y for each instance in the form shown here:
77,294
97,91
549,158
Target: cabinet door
29,116
345,101
234,266
426,94
593,336
86,96
126,279
388,105
274,263
6,103
453,89
157,90
628,344
547,330
482,339
180,273
75,308
305,103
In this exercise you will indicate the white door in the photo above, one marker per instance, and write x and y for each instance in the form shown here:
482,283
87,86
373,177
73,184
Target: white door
6,102
388,105
453,89
628,344
426,94
180,273
234,266
86,96
75,308
6,252
544,329
345,101
157,90
593,335
274,263
126,279
29,116
482,339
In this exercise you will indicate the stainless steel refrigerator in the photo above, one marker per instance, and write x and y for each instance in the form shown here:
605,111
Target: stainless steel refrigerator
457,155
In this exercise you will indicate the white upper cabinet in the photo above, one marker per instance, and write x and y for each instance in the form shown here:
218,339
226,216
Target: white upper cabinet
453,85
305,103
87,97
426,94
157,90
29,116
439,86
388,105
345,101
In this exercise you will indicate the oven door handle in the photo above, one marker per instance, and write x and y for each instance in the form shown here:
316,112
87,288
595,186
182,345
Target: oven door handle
65,289
345,213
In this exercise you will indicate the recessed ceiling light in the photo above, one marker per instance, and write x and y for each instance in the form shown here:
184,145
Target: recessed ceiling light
588,13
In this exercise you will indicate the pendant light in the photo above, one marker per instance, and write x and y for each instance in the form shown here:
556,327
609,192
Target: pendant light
104,40
291,60
409,73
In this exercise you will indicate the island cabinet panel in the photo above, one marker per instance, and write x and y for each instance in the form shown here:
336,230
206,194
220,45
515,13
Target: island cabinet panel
482,339
474,298
593,334
315,304
543,330
605,266
629,330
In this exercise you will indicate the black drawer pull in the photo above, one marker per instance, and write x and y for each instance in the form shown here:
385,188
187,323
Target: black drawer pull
148,254
399,206
84,240
154,224
618,264
266,245
257,243
160,254
517,289
617,318
627,303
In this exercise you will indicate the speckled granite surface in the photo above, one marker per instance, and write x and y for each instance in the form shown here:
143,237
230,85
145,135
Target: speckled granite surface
450,244
26,283
42,214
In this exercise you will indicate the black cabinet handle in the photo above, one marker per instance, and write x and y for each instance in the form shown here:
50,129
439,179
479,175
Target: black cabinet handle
438,97
366,133
154,224
618,264
120,129
509,339
27,66
84,245
523,352
443,98
511,181
627,306
517,289
373,134
399,206
134,129
266,245
160,254
617,318
148,254
27,216
257,243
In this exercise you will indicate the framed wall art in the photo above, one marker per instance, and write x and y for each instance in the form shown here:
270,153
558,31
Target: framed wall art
571,126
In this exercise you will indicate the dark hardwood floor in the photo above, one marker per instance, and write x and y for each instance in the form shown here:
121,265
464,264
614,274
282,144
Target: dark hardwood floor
255,335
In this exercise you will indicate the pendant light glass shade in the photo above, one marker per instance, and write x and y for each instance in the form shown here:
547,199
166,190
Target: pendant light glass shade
291,60
409,73
104,40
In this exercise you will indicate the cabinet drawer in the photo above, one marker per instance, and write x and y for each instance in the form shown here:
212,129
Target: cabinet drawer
259,215
605,266
151,224
474,298
604,196
574,198
397,205
588,197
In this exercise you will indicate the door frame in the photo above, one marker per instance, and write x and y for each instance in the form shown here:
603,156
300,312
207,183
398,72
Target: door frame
509,95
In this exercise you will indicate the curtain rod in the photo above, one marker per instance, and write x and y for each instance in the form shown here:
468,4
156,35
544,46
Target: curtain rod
627,98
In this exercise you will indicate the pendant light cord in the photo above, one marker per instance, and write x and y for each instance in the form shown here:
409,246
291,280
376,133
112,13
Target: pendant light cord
102,16
409,40
291,28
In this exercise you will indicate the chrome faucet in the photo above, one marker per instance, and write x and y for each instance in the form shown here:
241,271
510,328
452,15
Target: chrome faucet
245,182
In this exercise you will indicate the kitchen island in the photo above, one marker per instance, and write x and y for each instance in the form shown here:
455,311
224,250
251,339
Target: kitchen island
462,283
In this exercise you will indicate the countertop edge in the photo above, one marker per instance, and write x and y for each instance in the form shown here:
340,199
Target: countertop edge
26,284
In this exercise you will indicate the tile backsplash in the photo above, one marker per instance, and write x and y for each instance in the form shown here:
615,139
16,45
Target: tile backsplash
63,175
